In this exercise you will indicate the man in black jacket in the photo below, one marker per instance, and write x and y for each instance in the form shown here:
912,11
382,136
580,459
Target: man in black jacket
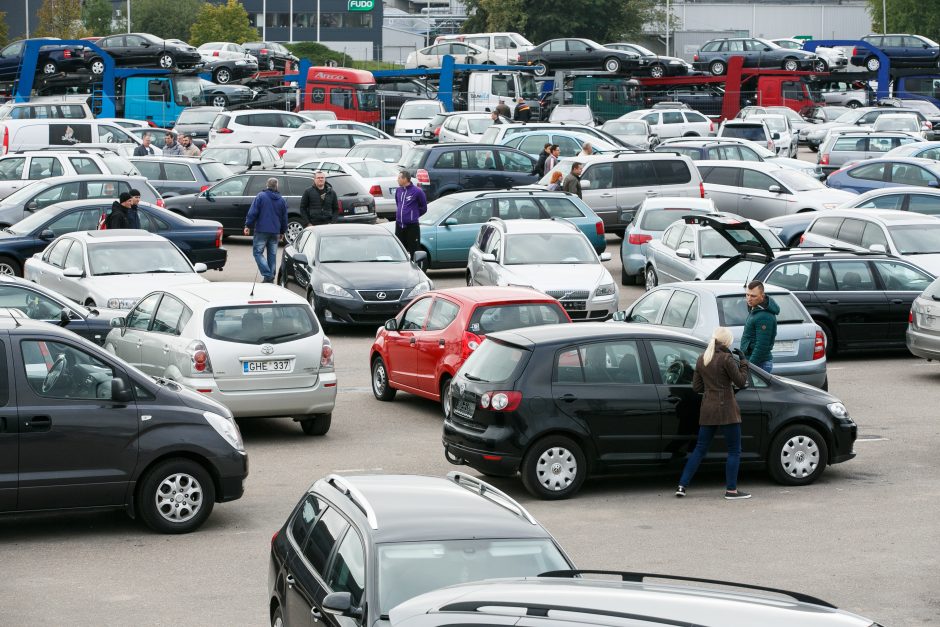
523,112
117,216
540,164
319,202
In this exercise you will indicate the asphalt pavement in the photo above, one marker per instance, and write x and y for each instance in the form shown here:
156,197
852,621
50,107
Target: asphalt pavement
863,537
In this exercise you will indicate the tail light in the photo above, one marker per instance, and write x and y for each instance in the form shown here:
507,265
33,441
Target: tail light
224,130
215,53
264,51
711,126
639,238
471,342
203,188
200,358
824,159
281,152
339,204
928,125
701,189
437,132
599,227
160,203
218,238
910,317
66,54
854,52
819,347
423,178
274,537
500,401
695,57
376,190
326,354
6,140
802,238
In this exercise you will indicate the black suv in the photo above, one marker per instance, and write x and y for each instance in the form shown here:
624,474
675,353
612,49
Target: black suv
358,546
447,168
862,301
549,403
80,429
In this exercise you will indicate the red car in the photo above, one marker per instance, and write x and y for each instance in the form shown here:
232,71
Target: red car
421,349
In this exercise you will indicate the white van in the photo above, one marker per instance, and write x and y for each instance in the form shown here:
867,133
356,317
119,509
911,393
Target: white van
46,109
503,47
485,89
39,134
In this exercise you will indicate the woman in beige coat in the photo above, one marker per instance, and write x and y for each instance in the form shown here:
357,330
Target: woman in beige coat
717,373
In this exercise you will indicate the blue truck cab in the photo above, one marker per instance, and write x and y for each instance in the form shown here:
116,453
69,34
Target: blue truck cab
158,99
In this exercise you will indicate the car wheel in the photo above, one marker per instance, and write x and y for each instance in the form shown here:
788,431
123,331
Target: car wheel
691,134
470,60
813,147
447,402
872,64
165,61
49,67
853,104
790,65
176,496
540,68
717,68
96,66
820,65
825,385
380,387
829,338
489,63
222,75
651,279
219,100
293,230
277,618
271,64
318,424
798,456
657,71
10,267
554,468
612,65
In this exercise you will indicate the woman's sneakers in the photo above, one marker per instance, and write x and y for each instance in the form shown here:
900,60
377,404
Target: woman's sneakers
680,491
734,496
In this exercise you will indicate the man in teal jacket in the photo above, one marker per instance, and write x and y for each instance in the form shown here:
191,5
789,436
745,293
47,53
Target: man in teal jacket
760,328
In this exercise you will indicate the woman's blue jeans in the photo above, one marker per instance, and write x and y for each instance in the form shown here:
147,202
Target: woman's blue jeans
732,435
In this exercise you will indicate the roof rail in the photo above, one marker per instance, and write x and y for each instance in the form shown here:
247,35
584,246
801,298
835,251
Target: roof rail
543,609
640,577
481,487
358,498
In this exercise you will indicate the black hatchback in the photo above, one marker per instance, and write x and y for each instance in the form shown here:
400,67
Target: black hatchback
560,404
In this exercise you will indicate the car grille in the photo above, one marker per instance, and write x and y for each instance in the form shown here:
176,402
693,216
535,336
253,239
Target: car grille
573,305
569,295
373,295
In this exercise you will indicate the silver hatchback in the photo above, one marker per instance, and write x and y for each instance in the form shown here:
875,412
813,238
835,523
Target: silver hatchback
258,349
923,330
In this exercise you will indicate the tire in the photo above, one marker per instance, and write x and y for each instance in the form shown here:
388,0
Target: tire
10,266
691,134
219,100
282,279
657,71
813,147
317,424
651,279
825,385
717,68
830,339
168,486
872,64
612,65
820,65
446,400
540,69
96,66
553,468
797,456
791,65
277,618
166,61
49,67
294,227
380,387
469,279
853,104
222,76
630,279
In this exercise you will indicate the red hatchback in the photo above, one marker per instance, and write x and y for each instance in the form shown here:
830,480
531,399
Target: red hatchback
421,349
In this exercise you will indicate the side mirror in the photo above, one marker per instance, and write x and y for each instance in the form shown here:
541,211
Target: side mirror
391,324
775,136
684,253
450,222
585,184
626,216
619,316
209,196
32,205
766,49
64,317
118,322
47,235
255,164
489,258
120,392
340,604
774,188
420,257
301,258
933,184
877,248
200,267
73,272
605,257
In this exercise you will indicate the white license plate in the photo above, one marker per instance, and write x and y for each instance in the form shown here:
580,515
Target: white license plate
268,365
391,191
464,409
783,347
360,210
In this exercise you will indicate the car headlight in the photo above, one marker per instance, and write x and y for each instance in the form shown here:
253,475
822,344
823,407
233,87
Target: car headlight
830,205
331,289
838,410
608,289
121,303
420,288
227,428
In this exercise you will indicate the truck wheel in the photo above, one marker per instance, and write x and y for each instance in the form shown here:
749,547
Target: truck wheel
219,100
790,65
612,65
166,61
717,68
820,65
49,67
872,64
96,66
222,75
176,496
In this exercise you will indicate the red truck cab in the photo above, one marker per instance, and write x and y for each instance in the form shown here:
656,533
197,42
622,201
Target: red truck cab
347,92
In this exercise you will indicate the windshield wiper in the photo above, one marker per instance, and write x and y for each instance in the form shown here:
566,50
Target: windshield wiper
472,378
162,271
112,273
272,338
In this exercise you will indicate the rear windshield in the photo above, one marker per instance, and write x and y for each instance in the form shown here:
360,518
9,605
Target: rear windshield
220,121
479,125
280,141
494,362
493,318
753,133
117,164
228,156
345,186
414,158
215,171
919,239
932,291
388,154
660,219
260,324
188,116
419,111
373,169
732,310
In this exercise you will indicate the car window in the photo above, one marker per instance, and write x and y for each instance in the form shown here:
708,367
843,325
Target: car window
888,201
672,234
672,117
636,174
923,203
793,276
480,159
827,227
905,174
75,258
533,144
142,314
869,172
492,245
517,208
720,176
232,187
873,235
733,312
305,518
442,314
58,193
33,304
682,310
515,162
44,167
105,189
69,223
493,318
319,544
58,370
851,231
567,146
852,276
694,117
600,175
12,169
56,256
448,160
414,317
171,317
901,277
756,180
648,308
675,361
178,172
560,208
348,570
476,212
149,169
615,362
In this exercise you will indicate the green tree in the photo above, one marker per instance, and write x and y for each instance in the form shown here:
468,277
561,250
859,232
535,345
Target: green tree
168,19
226,22
98,17
505,15
60,18
4,29
904,16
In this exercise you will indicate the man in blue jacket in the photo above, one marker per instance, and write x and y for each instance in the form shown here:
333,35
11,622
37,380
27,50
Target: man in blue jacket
760,327
268,216
410,205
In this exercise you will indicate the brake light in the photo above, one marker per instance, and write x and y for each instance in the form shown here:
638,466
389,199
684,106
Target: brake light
376,190
471,342
824,159
855,51
711,126
160,203
500,401
281,152
599,227
274,537
339,203
639,238
701,189
695,57
437,131
6,140
224,130
910,317
261,302
423,178
819,347
203,188
928,125
66,54
218,237
215,53
326,354
200,358
264,51
802,238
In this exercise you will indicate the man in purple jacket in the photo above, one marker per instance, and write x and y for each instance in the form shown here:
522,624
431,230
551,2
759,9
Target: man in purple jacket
268,217
410,205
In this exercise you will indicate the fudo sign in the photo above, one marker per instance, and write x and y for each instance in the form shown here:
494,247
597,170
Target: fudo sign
361,5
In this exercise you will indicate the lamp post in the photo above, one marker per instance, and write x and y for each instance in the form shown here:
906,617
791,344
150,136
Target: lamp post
26,13
291,33
264,20
667,28
128,16
318,21
884,17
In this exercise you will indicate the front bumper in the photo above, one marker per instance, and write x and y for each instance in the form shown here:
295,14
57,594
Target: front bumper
231,470
319,398
844,435
354,311
590,310
922,344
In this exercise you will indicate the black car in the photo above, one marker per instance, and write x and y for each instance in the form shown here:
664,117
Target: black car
172,176
706,99
52,59
143,50
271,55
199,240
549,402
446,168
713,55
227,70
196,121
228,201
656,65
861,301
83,431
355,547
353,273
215,95
560,54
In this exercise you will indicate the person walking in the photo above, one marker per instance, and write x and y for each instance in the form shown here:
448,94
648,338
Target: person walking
268,216
717,373
760,327
133,217
540,164
319,203
170,147
552,160
116,217
523,112
187,147
503,109
410,205
145,149
555,183
572,182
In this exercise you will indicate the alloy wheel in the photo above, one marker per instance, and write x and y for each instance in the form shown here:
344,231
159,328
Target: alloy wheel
179,497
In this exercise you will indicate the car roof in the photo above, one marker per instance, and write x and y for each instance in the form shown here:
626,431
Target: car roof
570,333
763,166
350,229
534,226
248,111
169,159
120,235
403,508
665,202
493,294
243,146
888,191
230,293
723,288
595,158
926,163
885,216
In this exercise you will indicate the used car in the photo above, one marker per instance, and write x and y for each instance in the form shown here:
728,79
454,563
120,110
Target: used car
433,56
414,116
828,59
569,142
635,133
673,122
243,157
903,50
465,127
19,169
271,55
52,59
558,54
227,61
300,146
380,178
713,55
862,116
656,65
884,172
923,328
848,145
387,150
142,50
172,176
261,126
735,149
447,168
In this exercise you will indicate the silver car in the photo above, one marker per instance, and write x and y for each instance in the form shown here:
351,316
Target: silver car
852,95
258,349
633,132
923,330
842,147
380,178
387,150
698,307
296,147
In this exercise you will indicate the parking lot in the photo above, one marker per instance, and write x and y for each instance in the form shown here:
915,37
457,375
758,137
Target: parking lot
863,537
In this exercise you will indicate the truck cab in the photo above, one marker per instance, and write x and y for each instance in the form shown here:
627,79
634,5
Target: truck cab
158,99
787,91
349,93
485,89
609,97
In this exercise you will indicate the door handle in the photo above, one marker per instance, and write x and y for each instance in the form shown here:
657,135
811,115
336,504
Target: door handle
441,343
38,423
412,341
607,195
289,579
166,348
569,398
897,301
673,399
833,302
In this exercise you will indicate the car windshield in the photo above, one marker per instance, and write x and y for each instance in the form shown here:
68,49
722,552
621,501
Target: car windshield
419,111
408,569
732,310
492,318
368,99
788,113
228,156
360,248
885,123
387,153
478,125
753,132
439,208
188,90
775,123
799,181
107,258
214,171
646,52
548,248
260,324
374,169
916,239
528,88
625,128
713,245
197,117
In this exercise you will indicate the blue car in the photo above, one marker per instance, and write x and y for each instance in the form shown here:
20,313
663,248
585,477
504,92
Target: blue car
879,173
451,225
447,168
901,49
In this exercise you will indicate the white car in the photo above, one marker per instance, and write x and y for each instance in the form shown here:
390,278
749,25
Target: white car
301,146
413,116
215,50
261,126
112,268
574,114
380,178
673,122
19,169
787,144
433,55
829,59
906,122
257,349
466,127
347,125
551,256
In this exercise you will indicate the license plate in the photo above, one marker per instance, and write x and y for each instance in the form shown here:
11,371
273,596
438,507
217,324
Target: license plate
464,409
268,365
360,210
783,347
391,191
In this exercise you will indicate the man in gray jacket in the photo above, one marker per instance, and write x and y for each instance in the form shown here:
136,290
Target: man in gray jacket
170,147
572,182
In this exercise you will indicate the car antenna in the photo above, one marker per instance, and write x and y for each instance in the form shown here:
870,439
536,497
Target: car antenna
254,282
15,321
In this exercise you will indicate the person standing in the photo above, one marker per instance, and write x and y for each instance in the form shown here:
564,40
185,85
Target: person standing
268,216
116,217
133,216
144,149
540,164
502,109
572,182
319,203
760,327
170,147
494,116
410,205
187,147
523,112
586,150
552,160
717,373
554,184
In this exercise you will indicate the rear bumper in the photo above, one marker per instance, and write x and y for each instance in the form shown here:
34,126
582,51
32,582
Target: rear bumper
808,372
463,447
214,258
923,345
319,398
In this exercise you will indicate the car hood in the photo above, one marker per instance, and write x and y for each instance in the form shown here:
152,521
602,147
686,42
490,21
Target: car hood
573,277
807,390
371,275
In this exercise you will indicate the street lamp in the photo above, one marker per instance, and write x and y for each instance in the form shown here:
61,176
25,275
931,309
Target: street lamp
26,12
128,16
884,17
